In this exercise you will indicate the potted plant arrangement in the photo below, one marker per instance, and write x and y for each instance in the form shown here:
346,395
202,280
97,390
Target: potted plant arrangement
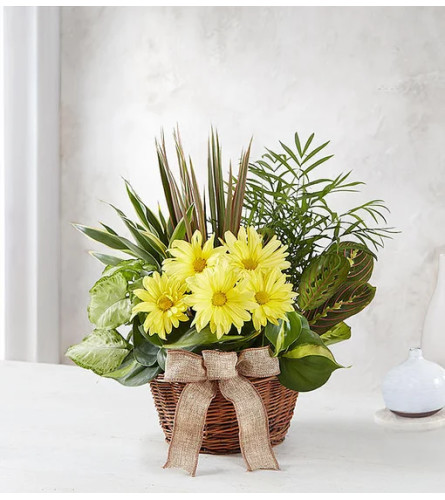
228,304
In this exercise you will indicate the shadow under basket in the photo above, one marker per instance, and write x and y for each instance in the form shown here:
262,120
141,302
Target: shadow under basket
221,427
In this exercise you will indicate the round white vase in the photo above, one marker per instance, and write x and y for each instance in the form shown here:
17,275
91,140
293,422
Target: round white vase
415,388
433,335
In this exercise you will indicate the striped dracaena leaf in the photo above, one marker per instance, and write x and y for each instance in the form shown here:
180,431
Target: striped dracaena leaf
321,279
348,300
360,259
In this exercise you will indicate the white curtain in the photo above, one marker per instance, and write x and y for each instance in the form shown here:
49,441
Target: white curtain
31,180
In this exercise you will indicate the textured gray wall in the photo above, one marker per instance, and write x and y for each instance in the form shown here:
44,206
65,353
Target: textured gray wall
370,79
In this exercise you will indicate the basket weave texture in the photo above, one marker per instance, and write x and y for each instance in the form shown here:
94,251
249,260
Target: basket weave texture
221,427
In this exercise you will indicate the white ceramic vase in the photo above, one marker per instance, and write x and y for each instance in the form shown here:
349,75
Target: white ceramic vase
415,388
433,335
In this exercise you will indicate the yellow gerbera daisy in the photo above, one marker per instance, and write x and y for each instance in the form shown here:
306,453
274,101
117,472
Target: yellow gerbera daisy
191,258
219,298
163,299
272,294
248,254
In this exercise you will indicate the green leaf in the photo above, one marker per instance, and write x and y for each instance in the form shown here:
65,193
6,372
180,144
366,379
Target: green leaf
104,237
116,242
129,268
306,374
161,358
321,279
133,374
106,259
146,216
144,242
348,300
336,334
192,338
180,229
102,351
144,352
308,364
283,335
109,305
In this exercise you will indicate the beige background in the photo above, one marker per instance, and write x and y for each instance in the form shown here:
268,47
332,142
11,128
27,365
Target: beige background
370,79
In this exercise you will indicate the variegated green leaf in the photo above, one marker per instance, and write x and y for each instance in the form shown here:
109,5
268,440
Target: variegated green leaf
102,351
336,334
109,305
285,333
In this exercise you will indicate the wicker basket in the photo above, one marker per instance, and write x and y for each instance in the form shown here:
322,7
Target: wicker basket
221,427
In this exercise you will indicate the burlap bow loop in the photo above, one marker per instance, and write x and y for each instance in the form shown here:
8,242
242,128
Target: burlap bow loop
204,375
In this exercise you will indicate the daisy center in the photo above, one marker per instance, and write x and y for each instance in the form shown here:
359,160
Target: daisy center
165,303
249,264
262,298
219,299
199,264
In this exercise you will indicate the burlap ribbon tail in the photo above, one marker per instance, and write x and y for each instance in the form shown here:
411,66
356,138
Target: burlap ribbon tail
203,375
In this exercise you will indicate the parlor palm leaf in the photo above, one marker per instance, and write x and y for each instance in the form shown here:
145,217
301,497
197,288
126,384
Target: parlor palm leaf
286,198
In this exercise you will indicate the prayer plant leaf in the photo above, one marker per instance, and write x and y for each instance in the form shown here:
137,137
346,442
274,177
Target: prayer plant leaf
336,334
102,351
321,279
109,305
348,300
360,258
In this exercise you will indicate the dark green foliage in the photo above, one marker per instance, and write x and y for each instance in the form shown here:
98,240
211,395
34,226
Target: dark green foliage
284,196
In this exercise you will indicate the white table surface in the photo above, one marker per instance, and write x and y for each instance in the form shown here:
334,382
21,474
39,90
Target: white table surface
63,429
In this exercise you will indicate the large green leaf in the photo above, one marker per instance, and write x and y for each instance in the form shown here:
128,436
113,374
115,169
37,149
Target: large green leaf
102,351
360,258
132,374
348,300
285,333
336,334
306,374
109,305
308,365
321,279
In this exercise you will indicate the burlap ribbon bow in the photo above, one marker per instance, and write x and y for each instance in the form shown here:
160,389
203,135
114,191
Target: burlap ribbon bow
203,375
